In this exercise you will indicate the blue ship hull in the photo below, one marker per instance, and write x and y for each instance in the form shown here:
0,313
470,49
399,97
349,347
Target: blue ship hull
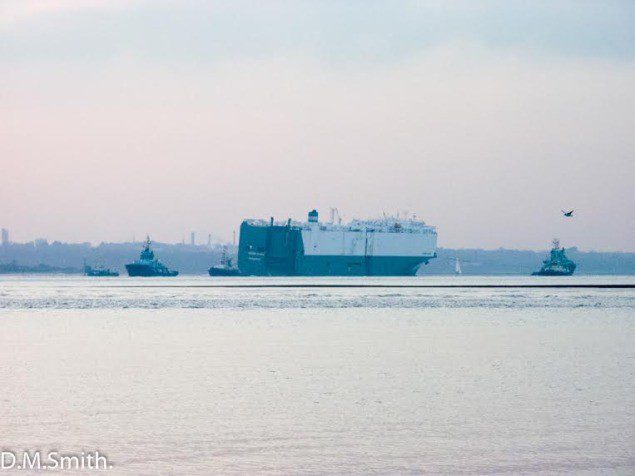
223,271
552,273
143,270
358,265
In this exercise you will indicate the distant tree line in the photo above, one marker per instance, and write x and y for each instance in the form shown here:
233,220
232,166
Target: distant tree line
523,262
187,259
196,259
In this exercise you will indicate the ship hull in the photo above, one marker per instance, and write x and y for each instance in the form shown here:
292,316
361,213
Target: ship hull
359,265
552,273
102,274
140,270
336,266
99,272
216,271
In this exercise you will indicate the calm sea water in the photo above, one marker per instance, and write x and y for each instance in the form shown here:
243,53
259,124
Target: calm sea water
197,380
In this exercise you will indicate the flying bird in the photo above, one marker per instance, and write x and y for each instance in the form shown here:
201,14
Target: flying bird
568,214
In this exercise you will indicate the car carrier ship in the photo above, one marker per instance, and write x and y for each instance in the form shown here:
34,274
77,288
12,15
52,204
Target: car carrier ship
383,247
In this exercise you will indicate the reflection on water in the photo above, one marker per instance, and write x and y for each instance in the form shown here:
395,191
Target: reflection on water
319,380
200,292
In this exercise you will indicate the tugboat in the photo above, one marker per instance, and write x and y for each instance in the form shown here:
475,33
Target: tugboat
148,265
558,264
225,268
99,271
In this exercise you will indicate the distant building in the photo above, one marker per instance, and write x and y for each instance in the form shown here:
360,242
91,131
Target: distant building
5,237
209,240
40,242
193,238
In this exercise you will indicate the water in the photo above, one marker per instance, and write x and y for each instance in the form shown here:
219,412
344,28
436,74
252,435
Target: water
197,380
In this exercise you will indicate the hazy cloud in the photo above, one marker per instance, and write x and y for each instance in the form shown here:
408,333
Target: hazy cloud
486,142
12,12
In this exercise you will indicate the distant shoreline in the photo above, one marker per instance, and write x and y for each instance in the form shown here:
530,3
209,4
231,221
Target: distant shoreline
195,260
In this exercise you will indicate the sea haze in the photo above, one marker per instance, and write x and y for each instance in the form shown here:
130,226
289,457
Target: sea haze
169,375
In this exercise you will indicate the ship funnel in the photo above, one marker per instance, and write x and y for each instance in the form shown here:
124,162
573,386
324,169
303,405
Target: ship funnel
313,216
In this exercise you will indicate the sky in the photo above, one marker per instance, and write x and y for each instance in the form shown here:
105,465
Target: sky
120,118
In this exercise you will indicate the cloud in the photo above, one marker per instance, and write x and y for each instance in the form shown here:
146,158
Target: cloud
125,117
484,145
13,12
335,32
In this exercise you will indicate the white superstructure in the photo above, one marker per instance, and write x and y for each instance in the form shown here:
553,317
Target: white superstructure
387,237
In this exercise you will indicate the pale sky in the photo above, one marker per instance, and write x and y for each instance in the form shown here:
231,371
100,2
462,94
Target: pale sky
127,117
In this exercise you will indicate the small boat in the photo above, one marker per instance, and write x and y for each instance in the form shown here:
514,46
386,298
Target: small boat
225,268
99,271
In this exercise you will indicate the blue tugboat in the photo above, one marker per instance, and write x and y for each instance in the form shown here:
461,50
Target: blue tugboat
148,265
558,264
225,268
